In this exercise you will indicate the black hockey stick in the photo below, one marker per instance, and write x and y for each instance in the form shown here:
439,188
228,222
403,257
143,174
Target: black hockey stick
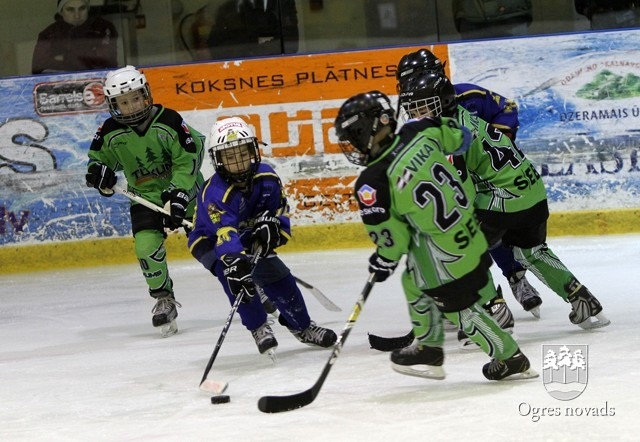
322,299
216,386
381,343
277,404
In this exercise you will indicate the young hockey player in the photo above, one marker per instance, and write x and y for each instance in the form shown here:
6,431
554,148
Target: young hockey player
413,203
160,156
511,199
239,207
501,113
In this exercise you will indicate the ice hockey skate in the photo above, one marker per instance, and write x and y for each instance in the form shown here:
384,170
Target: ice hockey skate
419,360
265,340
165,313
516,367
586,311
498,310
315,335
525,293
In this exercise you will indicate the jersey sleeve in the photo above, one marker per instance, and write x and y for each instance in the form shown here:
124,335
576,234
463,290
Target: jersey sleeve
187,152
96,152
499,111
390,235
275,200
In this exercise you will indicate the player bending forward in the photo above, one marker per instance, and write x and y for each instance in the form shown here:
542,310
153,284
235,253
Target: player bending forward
510,196
412,202
240,206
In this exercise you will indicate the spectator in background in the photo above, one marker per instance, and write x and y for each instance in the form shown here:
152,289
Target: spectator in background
75,41
490,18
609,14
251,28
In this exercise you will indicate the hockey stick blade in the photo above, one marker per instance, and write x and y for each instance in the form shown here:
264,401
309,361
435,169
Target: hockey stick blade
322,299
277,404
381,343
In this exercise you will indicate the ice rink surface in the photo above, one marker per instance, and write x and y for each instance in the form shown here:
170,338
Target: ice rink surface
80,361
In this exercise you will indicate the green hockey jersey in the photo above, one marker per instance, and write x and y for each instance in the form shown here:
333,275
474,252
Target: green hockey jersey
412,202
167,155
505,180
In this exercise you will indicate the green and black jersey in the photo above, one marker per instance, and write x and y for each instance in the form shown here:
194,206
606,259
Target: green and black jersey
505,180
167,155
412,202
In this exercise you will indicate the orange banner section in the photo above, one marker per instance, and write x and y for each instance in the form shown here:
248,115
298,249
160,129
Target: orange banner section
332,195
271,81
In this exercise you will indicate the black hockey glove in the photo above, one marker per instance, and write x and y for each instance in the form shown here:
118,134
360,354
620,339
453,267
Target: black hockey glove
266,233
237,270
381,266
102,178
176,202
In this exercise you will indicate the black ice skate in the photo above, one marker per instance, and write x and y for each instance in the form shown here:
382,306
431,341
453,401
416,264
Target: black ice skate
525,293
165,312
586,311
516,367
419,360
265,340
497,308
315,335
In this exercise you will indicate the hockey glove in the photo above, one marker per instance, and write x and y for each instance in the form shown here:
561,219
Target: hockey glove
175,202
102,178
237,271
381,266
266,232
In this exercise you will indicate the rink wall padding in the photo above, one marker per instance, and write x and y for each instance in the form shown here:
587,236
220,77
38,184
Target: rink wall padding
92,253
579,117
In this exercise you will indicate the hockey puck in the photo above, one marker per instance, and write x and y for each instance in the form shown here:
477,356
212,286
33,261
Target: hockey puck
220,399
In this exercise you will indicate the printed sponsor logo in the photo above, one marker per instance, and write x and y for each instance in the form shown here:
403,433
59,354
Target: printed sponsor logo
69,97
367,195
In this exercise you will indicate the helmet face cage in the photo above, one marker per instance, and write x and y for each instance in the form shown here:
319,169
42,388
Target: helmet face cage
359,120
424,107
236,161
429,95
128,84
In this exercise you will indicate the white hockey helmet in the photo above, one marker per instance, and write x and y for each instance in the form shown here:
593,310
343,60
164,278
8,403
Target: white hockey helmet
233,149
130,82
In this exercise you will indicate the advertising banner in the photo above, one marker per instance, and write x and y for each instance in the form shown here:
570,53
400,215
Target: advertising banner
577,102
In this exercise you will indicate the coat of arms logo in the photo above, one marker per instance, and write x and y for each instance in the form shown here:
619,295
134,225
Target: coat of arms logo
565,370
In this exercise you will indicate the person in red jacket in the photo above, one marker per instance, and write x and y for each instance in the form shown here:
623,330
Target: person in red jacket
75,41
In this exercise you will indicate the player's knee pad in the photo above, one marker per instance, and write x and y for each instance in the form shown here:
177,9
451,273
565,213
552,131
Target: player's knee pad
269,270
149,245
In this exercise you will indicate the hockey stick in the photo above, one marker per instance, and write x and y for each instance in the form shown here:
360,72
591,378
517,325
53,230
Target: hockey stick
217,386
147,203
277,404
322,299
382,343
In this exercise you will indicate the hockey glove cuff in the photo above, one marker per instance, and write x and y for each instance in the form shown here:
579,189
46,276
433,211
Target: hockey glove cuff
237,271
266,232
175,202
101,177
381,266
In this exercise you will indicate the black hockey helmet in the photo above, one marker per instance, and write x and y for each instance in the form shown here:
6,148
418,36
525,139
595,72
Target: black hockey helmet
365,126
428,95
415,63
